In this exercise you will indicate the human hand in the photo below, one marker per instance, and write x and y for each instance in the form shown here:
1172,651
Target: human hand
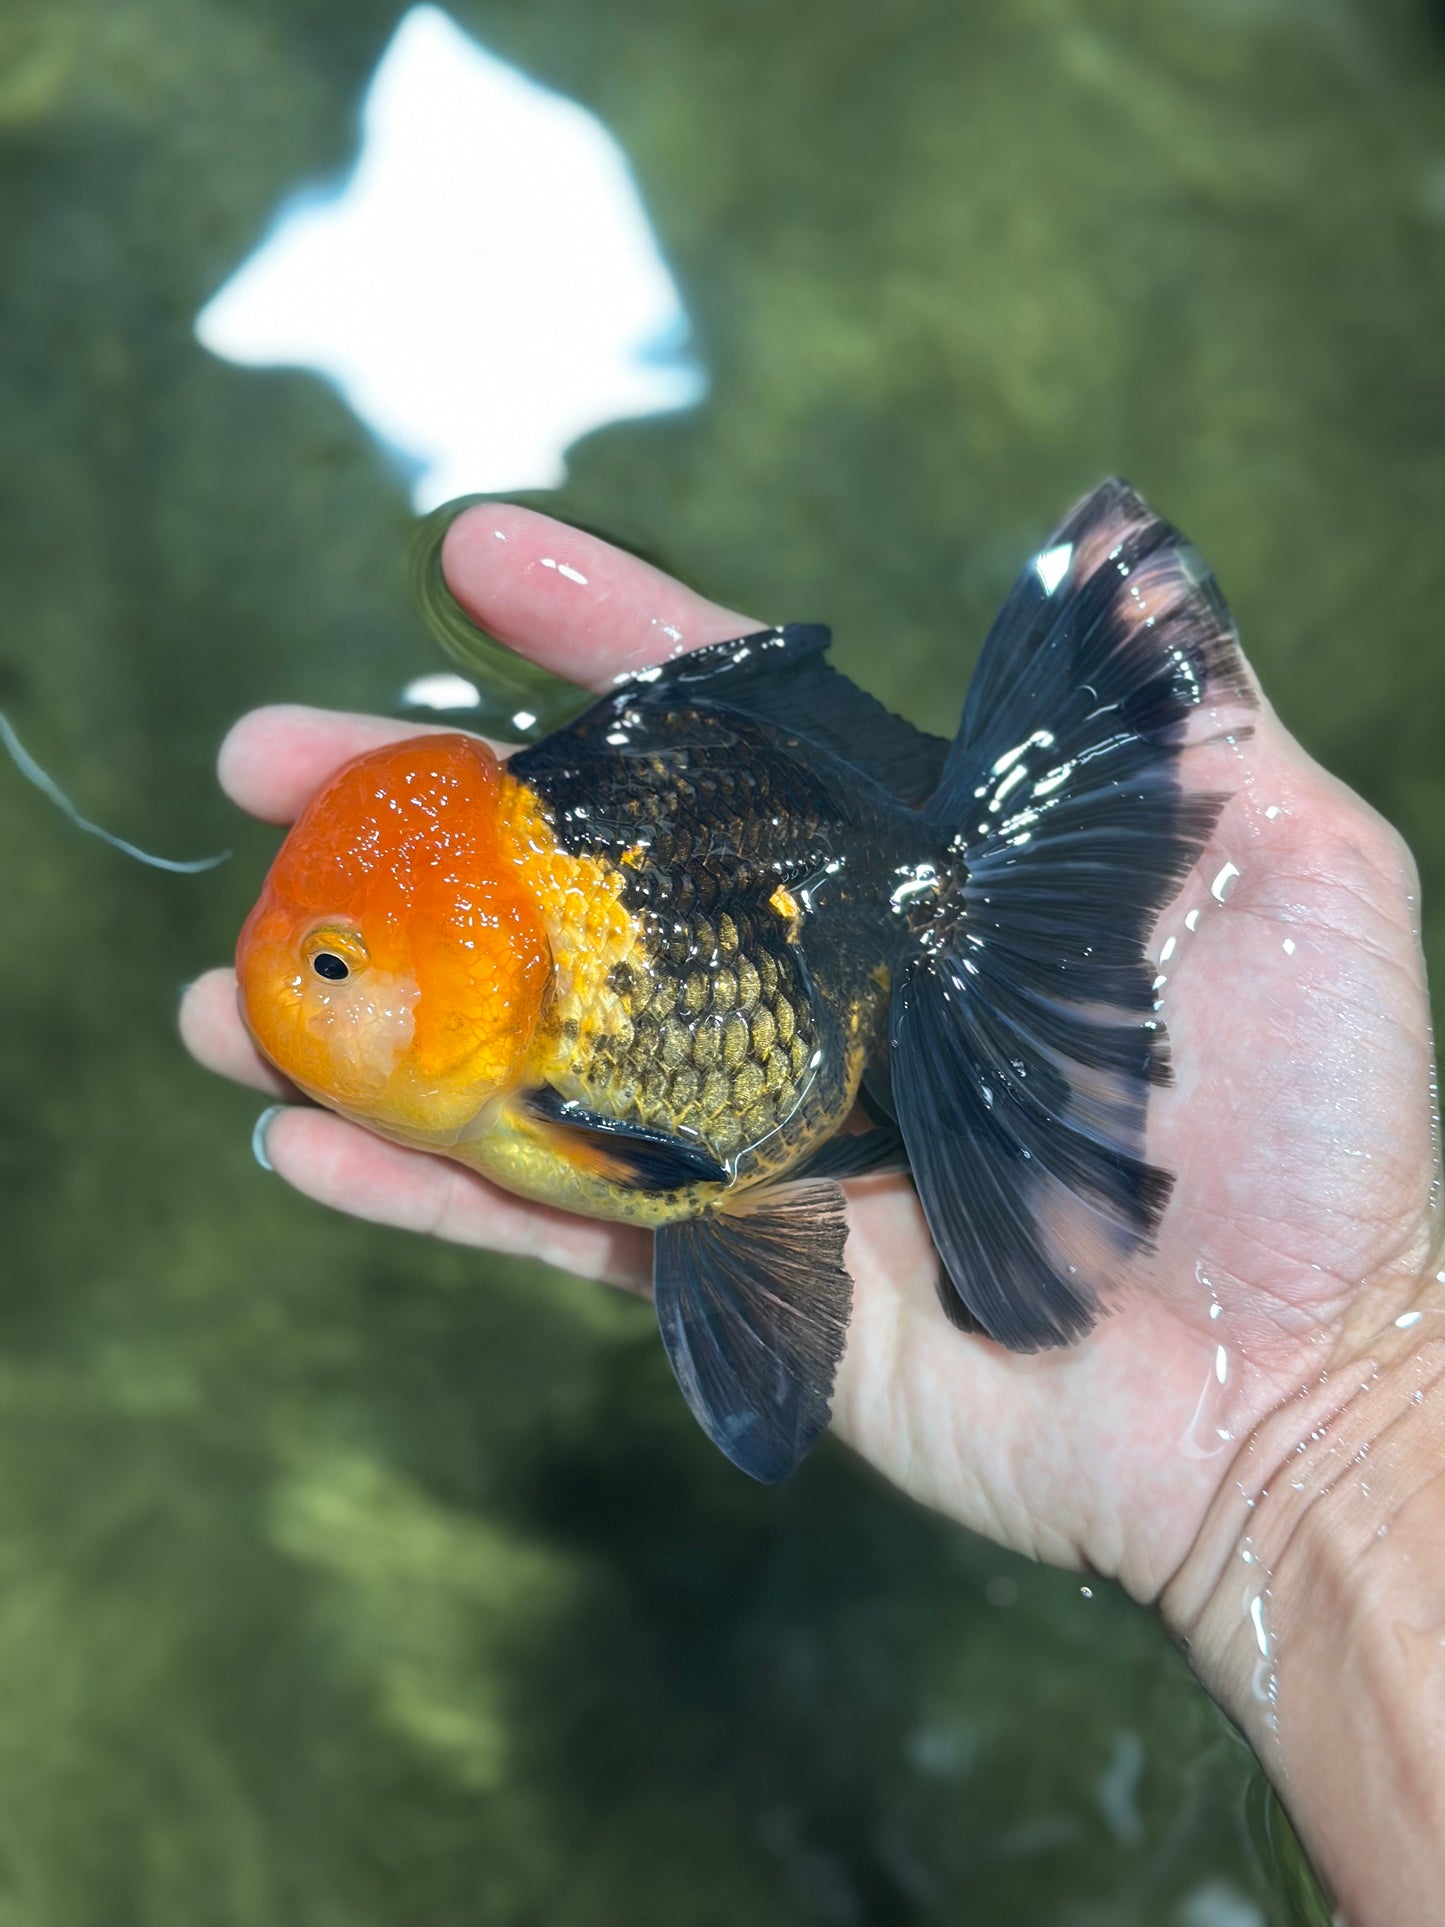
1299,1124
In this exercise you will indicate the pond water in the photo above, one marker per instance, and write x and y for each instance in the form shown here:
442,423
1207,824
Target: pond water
349,1579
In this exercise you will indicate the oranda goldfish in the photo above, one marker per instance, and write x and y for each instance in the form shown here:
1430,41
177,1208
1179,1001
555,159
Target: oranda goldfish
647,968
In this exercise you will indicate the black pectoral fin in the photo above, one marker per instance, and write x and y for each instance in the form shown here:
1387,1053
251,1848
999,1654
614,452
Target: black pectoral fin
630,1154
753,1305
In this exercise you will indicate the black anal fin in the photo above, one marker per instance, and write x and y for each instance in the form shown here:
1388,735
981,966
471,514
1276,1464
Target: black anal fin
753,1305
875,1093
855,1154
629,1154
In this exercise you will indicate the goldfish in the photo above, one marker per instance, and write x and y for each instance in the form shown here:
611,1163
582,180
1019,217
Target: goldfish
661,965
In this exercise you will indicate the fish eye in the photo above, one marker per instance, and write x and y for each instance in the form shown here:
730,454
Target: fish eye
335,952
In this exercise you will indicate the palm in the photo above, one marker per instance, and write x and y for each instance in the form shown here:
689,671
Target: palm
1300,1129
1298,1125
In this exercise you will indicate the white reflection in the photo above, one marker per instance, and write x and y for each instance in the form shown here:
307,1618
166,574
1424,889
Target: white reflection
441,690
1217,1904
485,288
48,787
1222,882
1053,565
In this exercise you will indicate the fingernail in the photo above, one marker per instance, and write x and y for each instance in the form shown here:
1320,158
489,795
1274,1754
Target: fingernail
258,1135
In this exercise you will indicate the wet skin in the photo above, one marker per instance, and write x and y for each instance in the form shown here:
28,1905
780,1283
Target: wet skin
1304,1217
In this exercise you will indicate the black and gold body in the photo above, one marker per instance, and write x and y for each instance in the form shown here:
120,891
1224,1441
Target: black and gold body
760,874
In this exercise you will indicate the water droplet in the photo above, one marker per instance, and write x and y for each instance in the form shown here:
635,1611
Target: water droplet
1256,1618
1222,882
1208,1432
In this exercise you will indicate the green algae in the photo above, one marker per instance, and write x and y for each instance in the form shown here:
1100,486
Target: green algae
349,1579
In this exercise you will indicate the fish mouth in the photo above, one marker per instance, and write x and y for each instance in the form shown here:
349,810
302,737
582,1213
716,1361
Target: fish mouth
322,1014
365,1026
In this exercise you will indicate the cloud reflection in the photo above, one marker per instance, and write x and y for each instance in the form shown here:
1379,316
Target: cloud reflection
486,287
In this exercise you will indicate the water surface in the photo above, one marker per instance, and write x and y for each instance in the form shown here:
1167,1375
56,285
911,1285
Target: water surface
349,1579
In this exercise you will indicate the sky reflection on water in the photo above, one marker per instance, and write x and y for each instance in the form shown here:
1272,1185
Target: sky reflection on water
486,286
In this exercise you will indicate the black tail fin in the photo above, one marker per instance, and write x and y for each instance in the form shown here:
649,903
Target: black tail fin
1025,1037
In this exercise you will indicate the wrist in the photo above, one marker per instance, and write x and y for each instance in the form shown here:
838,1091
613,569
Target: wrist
1312,1606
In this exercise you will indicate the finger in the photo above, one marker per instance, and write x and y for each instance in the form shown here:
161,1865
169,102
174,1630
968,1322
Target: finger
516,573
570,601
212,1031
343,1166
274,760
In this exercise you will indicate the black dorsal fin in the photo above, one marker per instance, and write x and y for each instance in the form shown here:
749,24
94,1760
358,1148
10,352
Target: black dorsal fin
753,1305
781,676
